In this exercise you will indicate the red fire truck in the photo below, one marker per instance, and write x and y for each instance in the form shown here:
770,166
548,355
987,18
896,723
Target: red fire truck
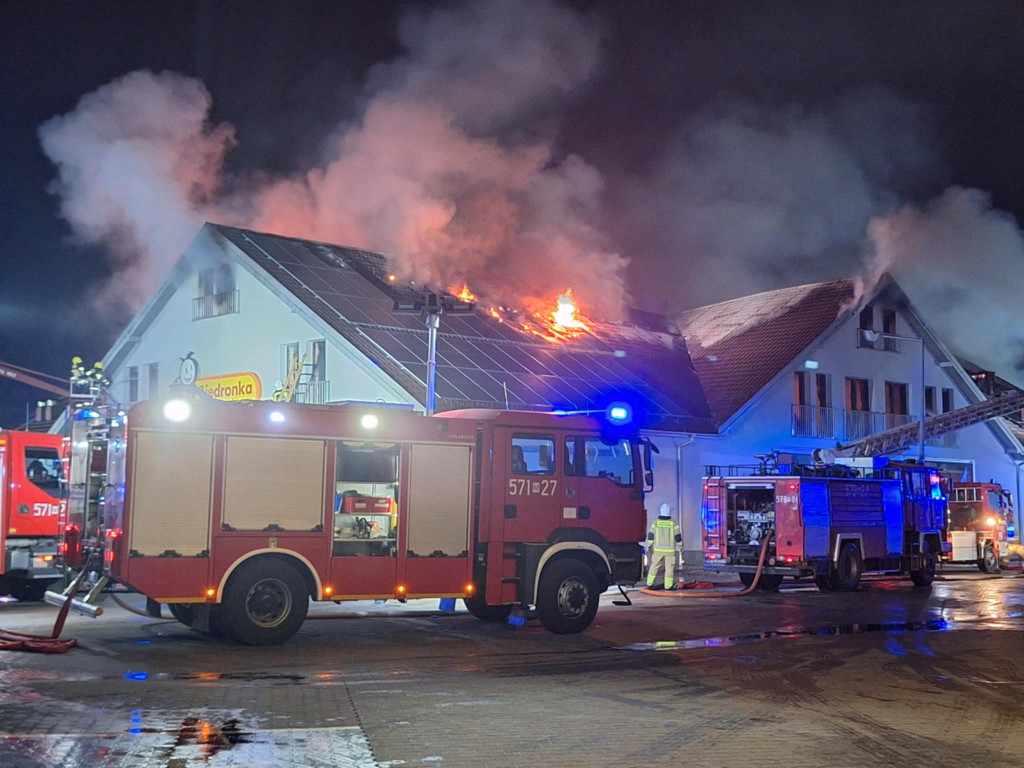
32,500
236,514
980,518
833,523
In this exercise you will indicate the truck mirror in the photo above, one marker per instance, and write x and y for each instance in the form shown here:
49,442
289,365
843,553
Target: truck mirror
649,479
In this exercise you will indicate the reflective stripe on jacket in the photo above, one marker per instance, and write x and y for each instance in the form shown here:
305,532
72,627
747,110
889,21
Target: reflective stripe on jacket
664,535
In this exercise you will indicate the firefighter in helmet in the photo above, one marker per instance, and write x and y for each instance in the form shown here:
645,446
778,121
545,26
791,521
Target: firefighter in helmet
663,539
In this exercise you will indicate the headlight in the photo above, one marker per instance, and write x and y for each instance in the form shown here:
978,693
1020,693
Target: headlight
177,410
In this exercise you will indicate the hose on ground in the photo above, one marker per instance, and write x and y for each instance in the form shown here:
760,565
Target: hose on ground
54,643
717,595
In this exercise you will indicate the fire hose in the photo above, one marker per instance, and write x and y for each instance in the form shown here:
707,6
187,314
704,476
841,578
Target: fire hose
747,591
52,643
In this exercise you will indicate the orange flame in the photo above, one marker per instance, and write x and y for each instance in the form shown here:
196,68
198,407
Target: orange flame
391,278
465,294
566,321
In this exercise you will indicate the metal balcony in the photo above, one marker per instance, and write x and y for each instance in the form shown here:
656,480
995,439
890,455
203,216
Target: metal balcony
215,305
812,421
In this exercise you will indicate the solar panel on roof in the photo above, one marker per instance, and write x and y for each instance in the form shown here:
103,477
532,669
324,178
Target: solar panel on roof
478,357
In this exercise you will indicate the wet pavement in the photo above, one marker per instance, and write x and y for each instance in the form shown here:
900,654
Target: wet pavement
890,675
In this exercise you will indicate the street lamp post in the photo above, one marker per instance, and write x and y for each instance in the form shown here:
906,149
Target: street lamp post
873,336
431,306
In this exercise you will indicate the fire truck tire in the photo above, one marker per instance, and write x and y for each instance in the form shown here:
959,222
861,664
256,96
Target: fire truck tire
747,579
30,591
182,612
823,581
476,606
846,575
770,582
265,602
989,563
923,577
567,596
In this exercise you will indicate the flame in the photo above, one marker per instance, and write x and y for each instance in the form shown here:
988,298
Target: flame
495,314
391,278
465,294
565,315
562,323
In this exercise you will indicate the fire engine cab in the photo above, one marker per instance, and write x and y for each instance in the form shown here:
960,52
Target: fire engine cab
980,519
833,523
237,514
32,499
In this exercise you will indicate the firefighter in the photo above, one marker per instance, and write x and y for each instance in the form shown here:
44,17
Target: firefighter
663,539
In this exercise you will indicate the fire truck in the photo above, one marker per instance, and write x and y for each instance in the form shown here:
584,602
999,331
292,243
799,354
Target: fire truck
32,499
833,523
236,514
833,520
978,525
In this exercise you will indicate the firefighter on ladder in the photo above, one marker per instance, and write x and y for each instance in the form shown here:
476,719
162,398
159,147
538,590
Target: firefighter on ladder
663,540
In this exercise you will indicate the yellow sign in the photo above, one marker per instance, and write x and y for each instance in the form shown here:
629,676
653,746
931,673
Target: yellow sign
232,386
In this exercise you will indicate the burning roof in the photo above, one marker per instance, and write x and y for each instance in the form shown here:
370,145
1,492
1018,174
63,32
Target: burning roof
547,358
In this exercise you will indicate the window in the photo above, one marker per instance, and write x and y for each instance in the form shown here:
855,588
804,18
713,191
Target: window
570,456
799,389
217,294
43,469
866,323
929,401
216,281
867,319
133,384
154,380
858,395
896,398
889,326
614,462
289,358
317,359
995,500
533,454
947,400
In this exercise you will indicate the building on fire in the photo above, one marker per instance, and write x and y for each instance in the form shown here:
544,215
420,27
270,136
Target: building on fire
247,315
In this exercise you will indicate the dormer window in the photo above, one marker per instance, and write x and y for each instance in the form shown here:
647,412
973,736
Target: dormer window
216,293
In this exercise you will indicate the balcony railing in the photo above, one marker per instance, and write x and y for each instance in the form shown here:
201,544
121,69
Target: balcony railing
812,421
215,305
848,425
313,392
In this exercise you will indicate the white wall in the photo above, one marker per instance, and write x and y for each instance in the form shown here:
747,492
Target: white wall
765,425
250,340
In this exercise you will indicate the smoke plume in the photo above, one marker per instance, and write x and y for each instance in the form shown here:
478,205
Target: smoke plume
138,163
962,262
450,169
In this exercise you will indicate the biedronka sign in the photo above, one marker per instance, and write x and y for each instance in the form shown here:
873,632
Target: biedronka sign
232,386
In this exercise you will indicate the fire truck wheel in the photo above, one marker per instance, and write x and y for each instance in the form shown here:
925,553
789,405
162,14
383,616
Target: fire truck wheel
823,581
770,582
265,602
989,563
182,612
476,606
29,591
848,570
747,579
924,577
567,597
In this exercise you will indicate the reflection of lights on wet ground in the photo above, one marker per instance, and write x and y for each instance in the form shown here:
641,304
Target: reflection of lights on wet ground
136,721
136,675
8,599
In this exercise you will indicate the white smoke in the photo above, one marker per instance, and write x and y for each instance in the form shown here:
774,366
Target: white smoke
137,164
962,263
451,168
748,199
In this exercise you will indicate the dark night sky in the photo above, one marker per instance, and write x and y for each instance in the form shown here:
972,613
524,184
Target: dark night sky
286,74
